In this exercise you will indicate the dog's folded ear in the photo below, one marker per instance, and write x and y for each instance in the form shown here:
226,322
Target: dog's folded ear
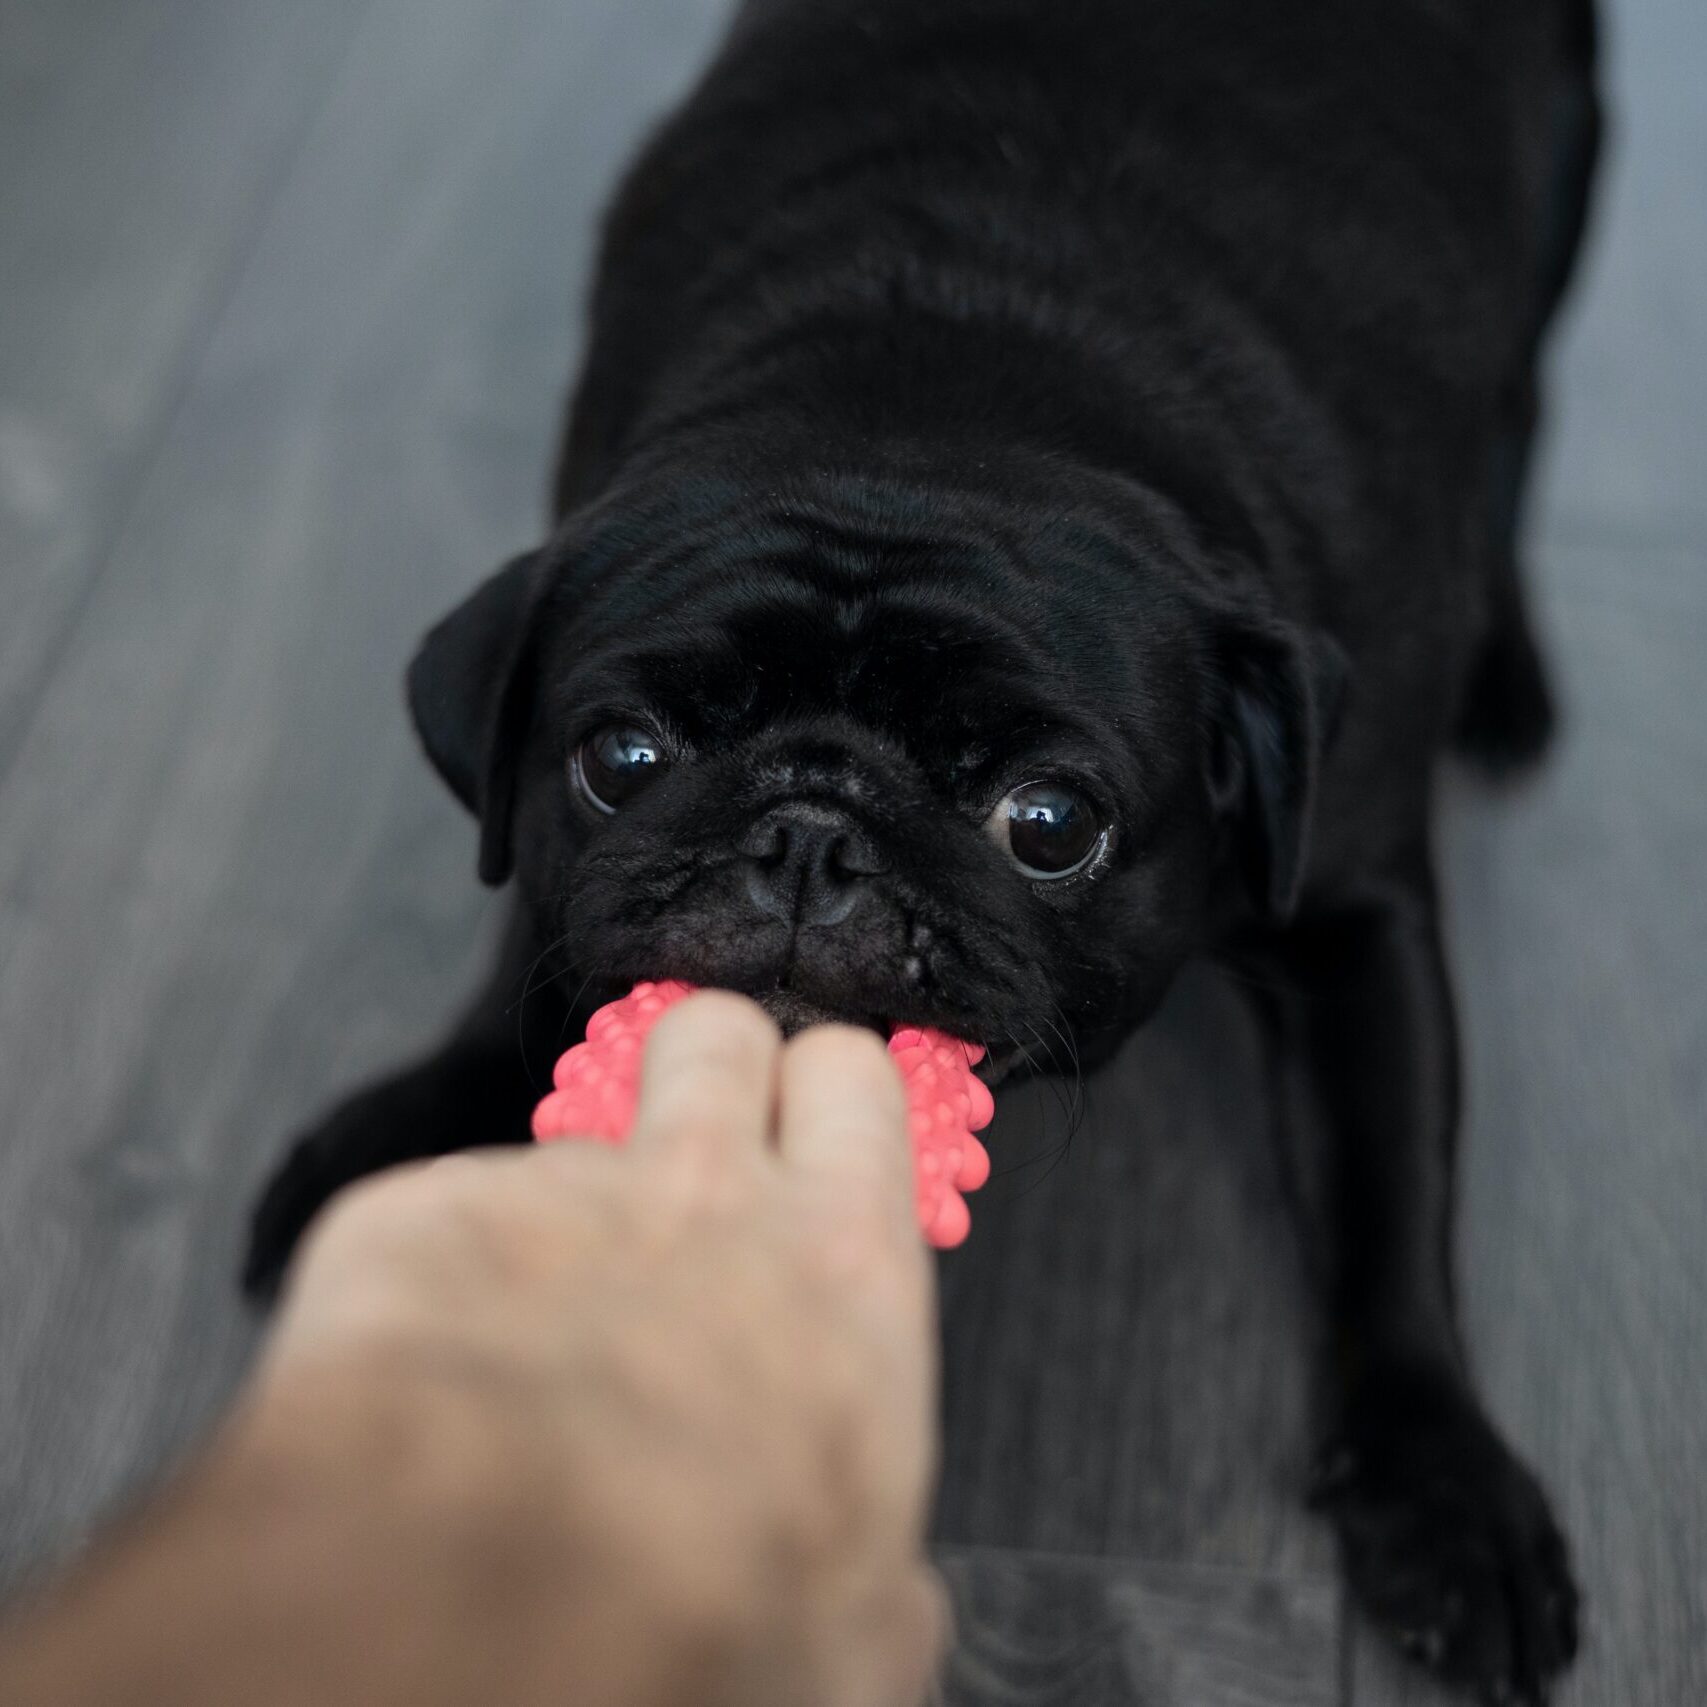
470,696
1278,695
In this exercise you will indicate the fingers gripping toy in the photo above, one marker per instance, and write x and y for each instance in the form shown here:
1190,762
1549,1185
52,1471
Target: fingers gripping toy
598,1085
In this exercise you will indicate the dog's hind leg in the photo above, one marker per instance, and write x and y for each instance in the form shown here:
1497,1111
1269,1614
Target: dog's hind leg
477,1089
1448,1542
1507,714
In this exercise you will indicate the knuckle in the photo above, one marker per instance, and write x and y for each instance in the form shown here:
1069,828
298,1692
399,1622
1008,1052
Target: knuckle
737,1021
865,1219
436,1209
868,1228
848,1051
704,1179
370,1210
888,1278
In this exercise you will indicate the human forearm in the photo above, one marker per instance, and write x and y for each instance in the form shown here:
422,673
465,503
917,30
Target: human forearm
329,1548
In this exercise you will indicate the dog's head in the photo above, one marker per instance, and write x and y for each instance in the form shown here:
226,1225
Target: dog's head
985,758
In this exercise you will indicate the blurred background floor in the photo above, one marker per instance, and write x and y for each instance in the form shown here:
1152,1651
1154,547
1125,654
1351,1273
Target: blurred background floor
287,308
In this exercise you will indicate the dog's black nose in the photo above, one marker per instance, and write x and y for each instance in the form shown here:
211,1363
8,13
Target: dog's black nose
808,863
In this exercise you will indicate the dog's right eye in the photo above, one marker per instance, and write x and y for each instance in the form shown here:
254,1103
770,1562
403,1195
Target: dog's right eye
613,764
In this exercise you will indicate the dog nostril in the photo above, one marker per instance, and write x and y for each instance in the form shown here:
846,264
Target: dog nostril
850,856
766,843
807,863
768,897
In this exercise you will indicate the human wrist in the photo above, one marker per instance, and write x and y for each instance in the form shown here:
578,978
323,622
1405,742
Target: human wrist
333,1544
438,1495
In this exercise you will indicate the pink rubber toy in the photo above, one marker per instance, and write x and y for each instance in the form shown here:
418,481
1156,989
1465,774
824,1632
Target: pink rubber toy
598,1085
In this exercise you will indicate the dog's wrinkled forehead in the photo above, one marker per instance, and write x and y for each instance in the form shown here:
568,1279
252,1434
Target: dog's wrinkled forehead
958,650
732,661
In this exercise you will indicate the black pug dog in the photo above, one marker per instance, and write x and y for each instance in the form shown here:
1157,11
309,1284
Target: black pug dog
1040,501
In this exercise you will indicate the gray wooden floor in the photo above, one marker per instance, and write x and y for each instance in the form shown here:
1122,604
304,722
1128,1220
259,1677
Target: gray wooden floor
287,305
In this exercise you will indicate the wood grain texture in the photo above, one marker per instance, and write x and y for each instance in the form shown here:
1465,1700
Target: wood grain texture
140,147
1628,429
228,887
1041,1630
1125,1329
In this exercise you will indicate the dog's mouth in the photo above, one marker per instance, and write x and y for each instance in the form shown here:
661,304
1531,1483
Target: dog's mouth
794,1012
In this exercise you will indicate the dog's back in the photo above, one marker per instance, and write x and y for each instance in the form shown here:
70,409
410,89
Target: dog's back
1286,263
1236,221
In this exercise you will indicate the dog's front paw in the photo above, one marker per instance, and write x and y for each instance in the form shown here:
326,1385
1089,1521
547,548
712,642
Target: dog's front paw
376,1127
468,1094
293,1197
1448,1542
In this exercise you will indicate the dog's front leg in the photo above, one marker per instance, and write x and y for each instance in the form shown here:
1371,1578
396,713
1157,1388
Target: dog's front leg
1446,1537
477,1088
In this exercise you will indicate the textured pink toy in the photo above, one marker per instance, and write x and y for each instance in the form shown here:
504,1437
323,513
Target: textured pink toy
598,1085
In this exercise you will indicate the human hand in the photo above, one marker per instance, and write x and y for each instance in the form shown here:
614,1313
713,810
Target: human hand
678,1399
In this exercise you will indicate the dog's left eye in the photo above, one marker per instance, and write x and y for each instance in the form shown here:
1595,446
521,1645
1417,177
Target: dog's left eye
1049,829
613,764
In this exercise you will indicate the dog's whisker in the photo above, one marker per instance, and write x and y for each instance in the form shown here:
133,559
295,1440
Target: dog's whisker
1041,1091
570,1006
1067,1105
1063,1029
1056,1072
528,988
533,966
1073,1106
1049,1159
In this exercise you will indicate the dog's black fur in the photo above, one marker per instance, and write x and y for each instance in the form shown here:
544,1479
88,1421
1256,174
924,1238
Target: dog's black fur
1134,394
